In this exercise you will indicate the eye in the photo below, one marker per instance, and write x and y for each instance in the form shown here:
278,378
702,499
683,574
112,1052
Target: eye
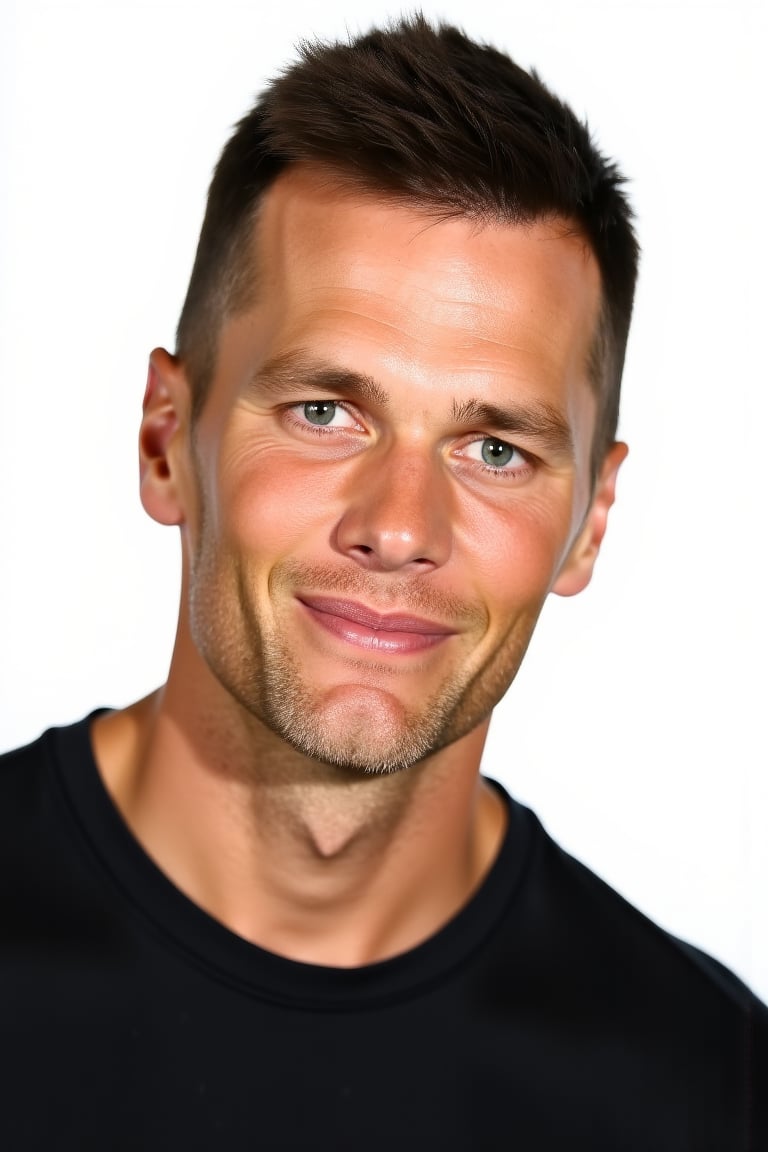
320,411
323,414
496,452
497,455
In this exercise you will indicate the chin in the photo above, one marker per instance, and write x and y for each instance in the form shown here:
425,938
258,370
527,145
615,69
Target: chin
366,730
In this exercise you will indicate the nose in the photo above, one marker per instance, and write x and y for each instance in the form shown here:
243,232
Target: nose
398,514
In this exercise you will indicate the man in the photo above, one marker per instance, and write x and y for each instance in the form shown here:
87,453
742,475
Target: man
275,904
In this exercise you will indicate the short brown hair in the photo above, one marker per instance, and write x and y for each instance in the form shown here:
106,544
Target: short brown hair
424,114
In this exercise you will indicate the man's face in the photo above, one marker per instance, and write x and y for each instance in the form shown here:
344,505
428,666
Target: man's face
390,470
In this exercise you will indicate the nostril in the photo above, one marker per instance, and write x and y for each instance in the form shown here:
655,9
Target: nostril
363,553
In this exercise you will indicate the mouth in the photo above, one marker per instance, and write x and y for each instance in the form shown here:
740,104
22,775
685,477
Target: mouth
381,633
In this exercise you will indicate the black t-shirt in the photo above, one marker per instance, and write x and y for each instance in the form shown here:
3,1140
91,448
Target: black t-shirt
547,1015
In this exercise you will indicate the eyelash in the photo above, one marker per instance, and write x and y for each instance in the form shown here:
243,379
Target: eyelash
318,429
525,468
528,465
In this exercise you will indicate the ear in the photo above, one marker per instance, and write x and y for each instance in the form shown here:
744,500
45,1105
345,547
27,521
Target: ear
162,438
576,571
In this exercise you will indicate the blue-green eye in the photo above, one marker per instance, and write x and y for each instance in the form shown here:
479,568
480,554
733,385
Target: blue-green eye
320,411
497,453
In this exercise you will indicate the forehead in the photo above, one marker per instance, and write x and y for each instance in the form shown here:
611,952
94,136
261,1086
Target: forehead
440,314
328,253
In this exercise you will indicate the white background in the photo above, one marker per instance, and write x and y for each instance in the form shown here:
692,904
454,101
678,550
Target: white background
637,726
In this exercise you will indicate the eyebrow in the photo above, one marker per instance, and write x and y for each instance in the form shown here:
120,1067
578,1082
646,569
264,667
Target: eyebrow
297,372
540,421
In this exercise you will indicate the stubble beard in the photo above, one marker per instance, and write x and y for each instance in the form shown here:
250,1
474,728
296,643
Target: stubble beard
361,729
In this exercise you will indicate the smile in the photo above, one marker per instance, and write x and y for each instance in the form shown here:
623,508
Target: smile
358,625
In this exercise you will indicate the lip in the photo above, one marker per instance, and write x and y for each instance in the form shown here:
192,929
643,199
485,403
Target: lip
361,626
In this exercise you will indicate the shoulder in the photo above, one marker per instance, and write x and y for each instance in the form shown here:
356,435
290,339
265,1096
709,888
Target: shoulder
609,923
31,793
638,1003
21,773
627,962
573,934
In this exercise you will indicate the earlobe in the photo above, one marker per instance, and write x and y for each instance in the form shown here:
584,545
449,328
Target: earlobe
576,572
166,404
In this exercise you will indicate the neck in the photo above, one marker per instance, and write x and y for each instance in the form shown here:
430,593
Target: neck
309,861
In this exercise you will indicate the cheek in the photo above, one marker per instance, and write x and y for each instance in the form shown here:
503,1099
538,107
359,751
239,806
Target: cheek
267,500
516,552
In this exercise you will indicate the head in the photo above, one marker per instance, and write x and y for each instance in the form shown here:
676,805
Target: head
432,119
388,432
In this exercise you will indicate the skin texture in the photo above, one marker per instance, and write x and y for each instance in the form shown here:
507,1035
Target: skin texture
357,595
